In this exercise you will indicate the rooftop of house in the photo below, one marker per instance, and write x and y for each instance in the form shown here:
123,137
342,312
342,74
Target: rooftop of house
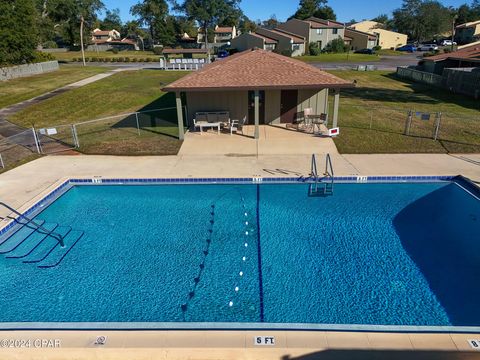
468,25
103,32
316,23
223,29
257,69
297,39
470,53
268,40
370,36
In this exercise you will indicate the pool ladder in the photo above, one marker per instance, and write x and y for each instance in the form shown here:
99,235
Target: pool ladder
321,186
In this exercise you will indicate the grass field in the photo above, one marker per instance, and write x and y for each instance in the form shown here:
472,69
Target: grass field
372,117
20,89
345,57
121,93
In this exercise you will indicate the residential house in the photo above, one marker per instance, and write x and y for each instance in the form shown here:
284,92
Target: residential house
253,40
466,57
468,32
315,30
264,87
221,34
360,40
270,39
107,39
386,39
104,36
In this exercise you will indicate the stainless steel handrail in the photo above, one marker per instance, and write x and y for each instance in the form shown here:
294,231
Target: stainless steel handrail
52,234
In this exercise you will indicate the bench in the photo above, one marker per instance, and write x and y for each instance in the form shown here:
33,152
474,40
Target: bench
211,119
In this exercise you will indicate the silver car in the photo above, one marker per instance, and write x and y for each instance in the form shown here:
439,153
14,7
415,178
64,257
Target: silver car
428,47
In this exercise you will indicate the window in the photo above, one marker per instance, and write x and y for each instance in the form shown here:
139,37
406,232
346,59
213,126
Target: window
335,31
319,31
295,47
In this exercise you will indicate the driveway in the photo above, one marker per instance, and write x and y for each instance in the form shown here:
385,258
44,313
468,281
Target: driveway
385,63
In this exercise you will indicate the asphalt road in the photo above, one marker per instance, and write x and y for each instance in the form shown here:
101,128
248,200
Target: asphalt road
385,63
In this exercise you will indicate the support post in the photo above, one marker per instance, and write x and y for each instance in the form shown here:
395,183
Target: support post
178,100
1,162
438,119
138,125
336,101
408,123
257,114
37,142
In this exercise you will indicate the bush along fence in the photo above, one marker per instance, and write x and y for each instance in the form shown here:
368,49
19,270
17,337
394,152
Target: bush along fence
121,59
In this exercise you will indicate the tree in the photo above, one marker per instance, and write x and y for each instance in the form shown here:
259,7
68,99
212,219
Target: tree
246,25
325,12
131,30
67,14
18,28
307,8
153,14
208,13
382,19
270,23
422,19
112,20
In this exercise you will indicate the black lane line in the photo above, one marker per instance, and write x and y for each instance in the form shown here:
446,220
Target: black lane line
259,252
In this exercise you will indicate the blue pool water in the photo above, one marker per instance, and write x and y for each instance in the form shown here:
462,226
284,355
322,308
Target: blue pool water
380,254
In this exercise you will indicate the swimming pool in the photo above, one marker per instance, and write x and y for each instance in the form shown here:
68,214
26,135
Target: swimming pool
248,255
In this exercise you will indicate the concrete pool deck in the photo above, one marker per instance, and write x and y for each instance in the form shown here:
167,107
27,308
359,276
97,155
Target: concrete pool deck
23,185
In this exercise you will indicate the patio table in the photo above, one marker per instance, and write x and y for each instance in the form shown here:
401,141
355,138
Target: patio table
206,124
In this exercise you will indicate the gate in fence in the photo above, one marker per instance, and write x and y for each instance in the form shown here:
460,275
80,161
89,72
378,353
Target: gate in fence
432,120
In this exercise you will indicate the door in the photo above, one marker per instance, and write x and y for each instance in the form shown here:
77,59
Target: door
288,105
251,107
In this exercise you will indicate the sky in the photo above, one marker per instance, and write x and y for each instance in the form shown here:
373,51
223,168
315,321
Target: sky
346,10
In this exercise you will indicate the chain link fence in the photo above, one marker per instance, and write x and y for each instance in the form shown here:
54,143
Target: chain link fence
424,131
149,132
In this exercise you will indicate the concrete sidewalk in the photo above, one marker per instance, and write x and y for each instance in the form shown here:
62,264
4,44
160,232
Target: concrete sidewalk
24,183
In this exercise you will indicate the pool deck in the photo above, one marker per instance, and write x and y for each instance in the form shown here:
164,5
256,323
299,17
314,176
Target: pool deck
22,186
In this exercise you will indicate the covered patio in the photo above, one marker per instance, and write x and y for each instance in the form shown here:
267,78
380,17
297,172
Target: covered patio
260,88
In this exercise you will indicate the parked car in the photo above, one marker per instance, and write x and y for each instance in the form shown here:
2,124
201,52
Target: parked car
365,51
409,48
448,43
428,47
223,54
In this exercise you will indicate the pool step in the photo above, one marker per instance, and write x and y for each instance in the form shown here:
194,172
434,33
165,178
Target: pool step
17,248
46,247
19,236
59,253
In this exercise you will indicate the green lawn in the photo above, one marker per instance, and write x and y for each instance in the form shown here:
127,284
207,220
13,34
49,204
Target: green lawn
372,117
118,94
20,89
345,57
391,52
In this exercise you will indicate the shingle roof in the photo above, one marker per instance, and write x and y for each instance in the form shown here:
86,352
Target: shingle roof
471,52
224,29
268,40
257,70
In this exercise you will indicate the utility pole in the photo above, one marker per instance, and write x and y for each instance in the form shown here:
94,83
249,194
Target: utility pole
455,17
81,39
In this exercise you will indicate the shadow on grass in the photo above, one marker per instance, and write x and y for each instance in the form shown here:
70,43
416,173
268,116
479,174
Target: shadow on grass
422,94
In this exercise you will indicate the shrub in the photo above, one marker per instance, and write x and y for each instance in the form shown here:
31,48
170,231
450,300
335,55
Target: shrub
115,50
148,59
74,59
158,50
39,56
336,46
378,48
447,50
94,59
50,44
313,49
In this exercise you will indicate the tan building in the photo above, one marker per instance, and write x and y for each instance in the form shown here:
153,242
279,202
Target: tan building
386,39
253,40
315,30
264,87
360,40
104,36
466,33
221,34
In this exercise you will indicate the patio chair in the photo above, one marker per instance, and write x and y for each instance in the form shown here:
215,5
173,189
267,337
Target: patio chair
236,125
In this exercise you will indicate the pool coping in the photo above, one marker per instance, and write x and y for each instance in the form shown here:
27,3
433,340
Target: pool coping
44,199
